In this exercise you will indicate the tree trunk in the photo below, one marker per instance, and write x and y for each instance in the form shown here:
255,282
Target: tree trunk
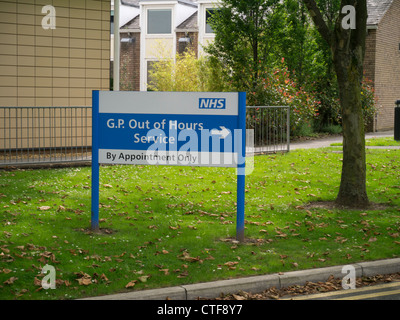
348,57
348,48
352,191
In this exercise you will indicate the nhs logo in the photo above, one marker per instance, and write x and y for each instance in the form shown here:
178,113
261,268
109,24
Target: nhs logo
212,103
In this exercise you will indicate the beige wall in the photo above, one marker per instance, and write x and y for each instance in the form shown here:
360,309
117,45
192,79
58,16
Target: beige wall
51,68
58,67
387,66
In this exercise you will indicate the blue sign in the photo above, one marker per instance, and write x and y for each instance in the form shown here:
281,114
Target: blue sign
174,128
169,128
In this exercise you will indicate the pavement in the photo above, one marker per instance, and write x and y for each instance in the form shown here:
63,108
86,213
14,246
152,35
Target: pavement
258,284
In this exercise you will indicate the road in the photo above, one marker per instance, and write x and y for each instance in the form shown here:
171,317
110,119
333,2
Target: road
386,291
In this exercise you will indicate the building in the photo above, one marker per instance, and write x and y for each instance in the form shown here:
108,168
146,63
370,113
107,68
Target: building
160,28
53,53
53,67
382,59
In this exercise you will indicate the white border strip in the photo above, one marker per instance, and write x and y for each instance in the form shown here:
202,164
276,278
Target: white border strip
144,157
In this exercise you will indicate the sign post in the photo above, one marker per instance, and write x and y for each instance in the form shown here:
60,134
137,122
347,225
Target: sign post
95,162
170,128
241,181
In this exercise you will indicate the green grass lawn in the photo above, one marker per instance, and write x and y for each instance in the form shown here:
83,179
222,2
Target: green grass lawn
165,226
376,142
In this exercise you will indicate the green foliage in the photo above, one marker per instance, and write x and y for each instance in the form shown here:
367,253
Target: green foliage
332,129
298,42
212,75
244,57
279,89
241,42
187,74
179,75
251,58
309,56
368,101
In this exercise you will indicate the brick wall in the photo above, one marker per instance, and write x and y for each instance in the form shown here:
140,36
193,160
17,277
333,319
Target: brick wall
369,68
387,66
370,55
130,63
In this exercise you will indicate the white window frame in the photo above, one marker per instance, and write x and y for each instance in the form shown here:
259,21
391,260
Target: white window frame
145,35
160,34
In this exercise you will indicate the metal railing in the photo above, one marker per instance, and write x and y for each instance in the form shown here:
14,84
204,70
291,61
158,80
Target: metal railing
271,128
42,135
37,135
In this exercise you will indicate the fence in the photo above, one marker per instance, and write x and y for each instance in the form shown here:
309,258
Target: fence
36,135
271,128
40,135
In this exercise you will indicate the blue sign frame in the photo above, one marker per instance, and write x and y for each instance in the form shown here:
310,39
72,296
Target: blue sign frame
122,122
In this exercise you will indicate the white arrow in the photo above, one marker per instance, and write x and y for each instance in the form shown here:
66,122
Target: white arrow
223,133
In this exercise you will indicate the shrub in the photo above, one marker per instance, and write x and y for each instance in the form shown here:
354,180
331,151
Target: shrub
181,74
332,129
187,74
368,101
278,88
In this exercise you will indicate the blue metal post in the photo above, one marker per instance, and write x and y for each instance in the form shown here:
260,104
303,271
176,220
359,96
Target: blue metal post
95,161
241,181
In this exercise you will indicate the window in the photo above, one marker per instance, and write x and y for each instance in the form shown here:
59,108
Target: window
184,43
159,21
209,14
112,21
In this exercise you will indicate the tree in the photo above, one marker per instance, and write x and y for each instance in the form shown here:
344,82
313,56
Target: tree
179,74
296,42
244,39
186,73
347,43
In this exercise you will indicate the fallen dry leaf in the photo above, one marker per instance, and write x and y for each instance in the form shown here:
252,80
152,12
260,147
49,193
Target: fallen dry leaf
143,278
186,257
237,297
84,279
131,284
166,271
183,274
10,281
103,277
37,282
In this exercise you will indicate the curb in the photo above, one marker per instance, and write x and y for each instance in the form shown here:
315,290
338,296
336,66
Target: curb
255,284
